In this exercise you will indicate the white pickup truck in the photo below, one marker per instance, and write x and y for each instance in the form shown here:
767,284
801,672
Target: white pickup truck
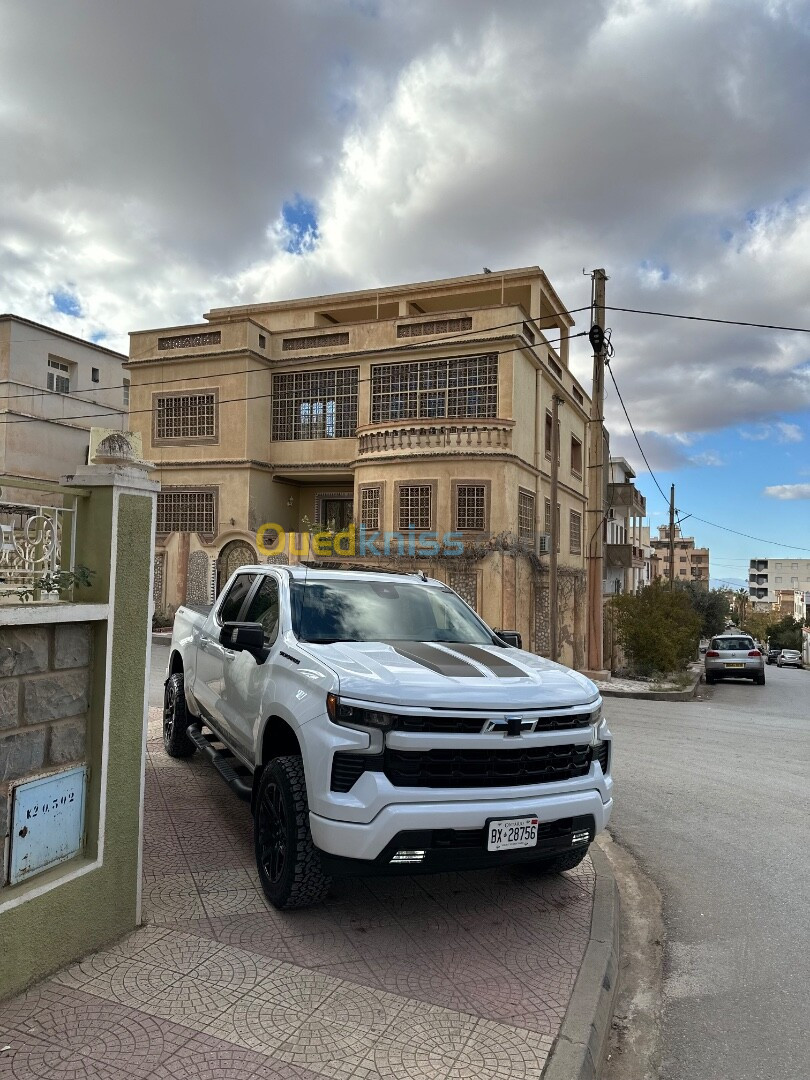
378,725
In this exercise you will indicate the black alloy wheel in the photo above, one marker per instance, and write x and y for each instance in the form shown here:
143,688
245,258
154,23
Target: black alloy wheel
288,862
175,719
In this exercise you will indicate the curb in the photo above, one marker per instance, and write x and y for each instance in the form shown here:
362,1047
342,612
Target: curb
161,639
656,695
581,1046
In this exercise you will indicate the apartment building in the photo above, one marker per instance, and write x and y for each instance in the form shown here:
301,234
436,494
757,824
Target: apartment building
790,602
424,407
53,388
691,562
767,577
624,548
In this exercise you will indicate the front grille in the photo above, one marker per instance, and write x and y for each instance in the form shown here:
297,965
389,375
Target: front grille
602,755
464,725
491,767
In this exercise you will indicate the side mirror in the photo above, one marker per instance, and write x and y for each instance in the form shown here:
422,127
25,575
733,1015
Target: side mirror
510,637
242,635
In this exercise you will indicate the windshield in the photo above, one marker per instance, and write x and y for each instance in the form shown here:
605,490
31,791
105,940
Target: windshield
732,643
381,611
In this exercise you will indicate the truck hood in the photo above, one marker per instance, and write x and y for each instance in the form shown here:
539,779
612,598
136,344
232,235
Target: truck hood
440,674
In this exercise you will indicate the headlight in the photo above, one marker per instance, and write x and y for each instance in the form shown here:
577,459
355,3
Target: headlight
596,716
352,716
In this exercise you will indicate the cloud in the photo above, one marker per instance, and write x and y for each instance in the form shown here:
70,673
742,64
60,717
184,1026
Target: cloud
153,162
789,433
788,491
709,458
780,430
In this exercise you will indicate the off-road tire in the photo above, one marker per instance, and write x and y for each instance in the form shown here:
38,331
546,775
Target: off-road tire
556,864
297,880
176,742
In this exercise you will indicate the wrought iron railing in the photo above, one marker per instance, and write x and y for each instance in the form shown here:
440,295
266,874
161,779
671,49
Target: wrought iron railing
37,549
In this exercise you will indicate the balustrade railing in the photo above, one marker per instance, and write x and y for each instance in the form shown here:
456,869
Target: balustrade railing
37,545
427,435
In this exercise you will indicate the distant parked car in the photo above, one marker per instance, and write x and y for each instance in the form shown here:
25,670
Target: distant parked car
773,655
789,658
734,656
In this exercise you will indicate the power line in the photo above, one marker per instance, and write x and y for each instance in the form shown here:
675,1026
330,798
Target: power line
351,355
708,319
229,401
713,524
638,444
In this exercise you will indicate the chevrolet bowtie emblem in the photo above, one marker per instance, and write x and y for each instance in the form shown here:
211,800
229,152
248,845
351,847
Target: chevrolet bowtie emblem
514,725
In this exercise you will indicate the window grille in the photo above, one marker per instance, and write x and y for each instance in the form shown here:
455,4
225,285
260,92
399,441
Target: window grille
575,532
186,511
185,416
461,387
370,507
58,376
437,326
315,341
465,583
471,507
415,507
315,404
526,515
189,341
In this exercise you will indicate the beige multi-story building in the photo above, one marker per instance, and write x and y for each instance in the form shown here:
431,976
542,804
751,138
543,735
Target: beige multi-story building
624,550
53,388
413,408
691,562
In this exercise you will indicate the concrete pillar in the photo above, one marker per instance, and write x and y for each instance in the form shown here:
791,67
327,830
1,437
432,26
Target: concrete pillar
99,656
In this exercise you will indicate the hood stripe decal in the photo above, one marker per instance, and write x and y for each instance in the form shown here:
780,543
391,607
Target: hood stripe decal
443,663
496,664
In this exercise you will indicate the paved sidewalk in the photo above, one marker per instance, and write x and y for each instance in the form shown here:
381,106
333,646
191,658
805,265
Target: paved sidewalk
451,976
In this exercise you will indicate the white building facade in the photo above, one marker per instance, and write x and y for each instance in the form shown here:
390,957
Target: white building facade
53,388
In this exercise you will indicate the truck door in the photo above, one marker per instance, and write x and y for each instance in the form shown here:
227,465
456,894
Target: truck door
213,659
247,680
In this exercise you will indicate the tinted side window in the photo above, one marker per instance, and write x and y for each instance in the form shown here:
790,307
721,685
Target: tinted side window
235,597
264,609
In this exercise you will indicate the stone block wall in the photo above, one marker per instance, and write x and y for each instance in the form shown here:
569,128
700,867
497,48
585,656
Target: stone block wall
44,702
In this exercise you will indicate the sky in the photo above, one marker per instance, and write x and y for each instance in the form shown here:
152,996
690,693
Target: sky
162,158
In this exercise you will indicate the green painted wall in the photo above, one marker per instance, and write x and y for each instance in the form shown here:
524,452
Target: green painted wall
50,931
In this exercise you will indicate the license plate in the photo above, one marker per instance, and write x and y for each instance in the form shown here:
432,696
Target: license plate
735,665
510,833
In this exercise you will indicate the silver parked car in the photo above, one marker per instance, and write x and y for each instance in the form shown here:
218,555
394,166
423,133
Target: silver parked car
734,656
789,658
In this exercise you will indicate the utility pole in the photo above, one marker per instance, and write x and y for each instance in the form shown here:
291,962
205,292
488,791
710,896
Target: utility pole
596,478
553,608
672,537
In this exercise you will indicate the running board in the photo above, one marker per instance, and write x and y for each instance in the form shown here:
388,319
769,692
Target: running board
223,761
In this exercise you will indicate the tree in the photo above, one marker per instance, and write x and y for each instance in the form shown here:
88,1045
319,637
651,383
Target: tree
786,634
658,628
710,604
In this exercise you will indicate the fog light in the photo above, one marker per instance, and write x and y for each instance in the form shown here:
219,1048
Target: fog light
581,837
409,857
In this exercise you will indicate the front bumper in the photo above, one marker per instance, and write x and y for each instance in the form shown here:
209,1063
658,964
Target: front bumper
369,842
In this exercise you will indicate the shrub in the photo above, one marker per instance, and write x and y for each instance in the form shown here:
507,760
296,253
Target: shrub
658,628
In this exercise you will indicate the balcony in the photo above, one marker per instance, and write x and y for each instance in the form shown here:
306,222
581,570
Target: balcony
433,436
629,497
624,556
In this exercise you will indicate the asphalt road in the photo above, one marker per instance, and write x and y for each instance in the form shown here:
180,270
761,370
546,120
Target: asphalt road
712,799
